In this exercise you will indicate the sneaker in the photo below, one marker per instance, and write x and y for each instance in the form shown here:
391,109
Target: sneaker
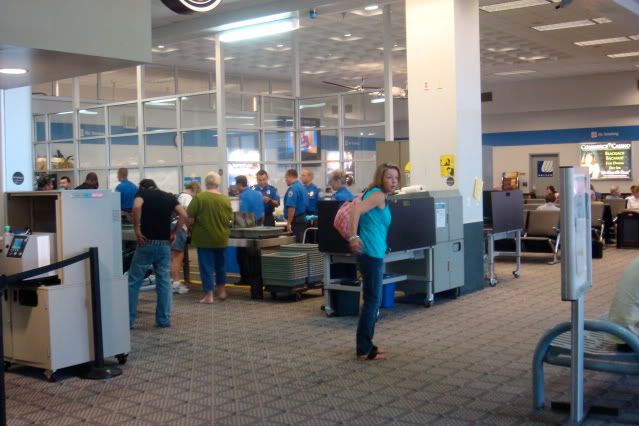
179,288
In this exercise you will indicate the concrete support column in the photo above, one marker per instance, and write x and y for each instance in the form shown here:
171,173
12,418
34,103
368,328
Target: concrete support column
220,103
15,139
388,75
444,108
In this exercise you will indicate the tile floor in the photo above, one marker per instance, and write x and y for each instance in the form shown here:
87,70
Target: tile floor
240,362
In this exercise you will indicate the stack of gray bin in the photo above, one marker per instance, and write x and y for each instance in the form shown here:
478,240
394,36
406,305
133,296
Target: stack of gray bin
284,272
315,259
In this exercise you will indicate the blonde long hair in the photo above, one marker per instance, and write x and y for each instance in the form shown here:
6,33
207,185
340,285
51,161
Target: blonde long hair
378,180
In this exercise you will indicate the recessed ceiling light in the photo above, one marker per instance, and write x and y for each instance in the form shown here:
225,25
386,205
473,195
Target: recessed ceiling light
345,38
396,48
13,71
161,46
531,58
164,50
515,72
571,24
602,41
278,48
499,7
348,35
371,7
328,58
501,49
265,66
623,55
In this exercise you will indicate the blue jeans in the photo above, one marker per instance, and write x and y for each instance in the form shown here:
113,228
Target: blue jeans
211,260
372,270
158,255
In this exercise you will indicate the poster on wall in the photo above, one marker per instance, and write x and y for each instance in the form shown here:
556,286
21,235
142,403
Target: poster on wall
606,160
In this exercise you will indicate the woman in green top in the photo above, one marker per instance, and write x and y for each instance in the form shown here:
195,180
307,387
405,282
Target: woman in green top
212,215
372,217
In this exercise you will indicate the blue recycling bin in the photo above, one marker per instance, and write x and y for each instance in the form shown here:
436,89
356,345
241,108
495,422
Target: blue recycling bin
388,295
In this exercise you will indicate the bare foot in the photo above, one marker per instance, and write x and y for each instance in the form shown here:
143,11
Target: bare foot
207,300
221,293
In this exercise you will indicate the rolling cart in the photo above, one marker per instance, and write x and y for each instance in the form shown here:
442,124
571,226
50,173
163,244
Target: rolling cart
490,237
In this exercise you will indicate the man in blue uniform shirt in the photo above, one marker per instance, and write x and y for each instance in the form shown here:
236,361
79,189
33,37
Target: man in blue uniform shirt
311,189
250,200
295,205
127,190
270,198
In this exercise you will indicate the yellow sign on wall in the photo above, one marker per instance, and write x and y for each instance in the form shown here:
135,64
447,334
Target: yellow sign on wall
447,165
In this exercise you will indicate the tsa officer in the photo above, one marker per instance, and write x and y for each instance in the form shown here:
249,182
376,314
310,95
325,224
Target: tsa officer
295,205
338,185
311,189
269,196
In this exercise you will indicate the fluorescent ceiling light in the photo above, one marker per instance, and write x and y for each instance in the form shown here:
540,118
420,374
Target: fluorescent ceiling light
623,55
268,67
87,112
378,100
515,72
571,24
254,21
309,72
366,13
501,49
13,71
531,58
306,106
260,30
371,7
64,113
163,102
161,46
513,5
602,41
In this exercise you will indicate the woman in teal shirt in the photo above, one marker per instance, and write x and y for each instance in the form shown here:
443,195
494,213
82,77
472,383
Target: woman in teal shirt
372,218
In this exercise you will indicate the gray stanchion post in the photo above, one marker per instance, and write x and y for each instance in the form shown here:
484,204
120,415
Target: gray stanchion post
98,370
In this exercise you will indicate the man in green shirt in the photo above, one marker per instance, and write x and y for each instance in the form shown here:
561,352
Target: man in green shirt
212,216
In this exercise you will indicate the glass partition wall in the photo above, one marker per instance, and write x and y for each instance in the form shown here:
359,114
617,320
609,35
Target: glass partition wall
174,139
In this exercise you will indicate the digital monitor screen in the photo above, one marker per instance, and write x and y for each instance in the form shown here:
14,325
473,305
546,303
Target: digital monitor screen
606,160
18,243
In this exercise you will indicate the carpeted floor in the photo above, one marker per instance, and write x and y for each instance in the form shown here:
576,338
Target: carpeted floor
464,361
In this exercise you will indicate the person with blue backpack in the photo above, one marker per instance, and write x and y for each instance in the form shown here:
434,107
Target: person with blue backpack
370,219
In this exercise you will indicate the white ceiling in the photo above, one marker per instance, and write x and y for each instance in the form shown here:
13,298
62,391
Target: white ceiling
347,62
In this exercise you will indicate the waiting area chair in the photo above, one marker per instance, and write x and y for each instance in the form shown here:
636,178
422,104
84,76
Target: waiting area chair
601,352
597,220
542,233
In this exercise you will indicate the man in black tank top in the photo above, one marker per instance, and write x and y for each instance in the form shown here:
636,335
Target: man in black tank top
152,216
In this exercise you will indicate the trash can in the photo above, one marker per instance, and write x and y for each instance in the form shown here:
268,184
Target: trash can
388,295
